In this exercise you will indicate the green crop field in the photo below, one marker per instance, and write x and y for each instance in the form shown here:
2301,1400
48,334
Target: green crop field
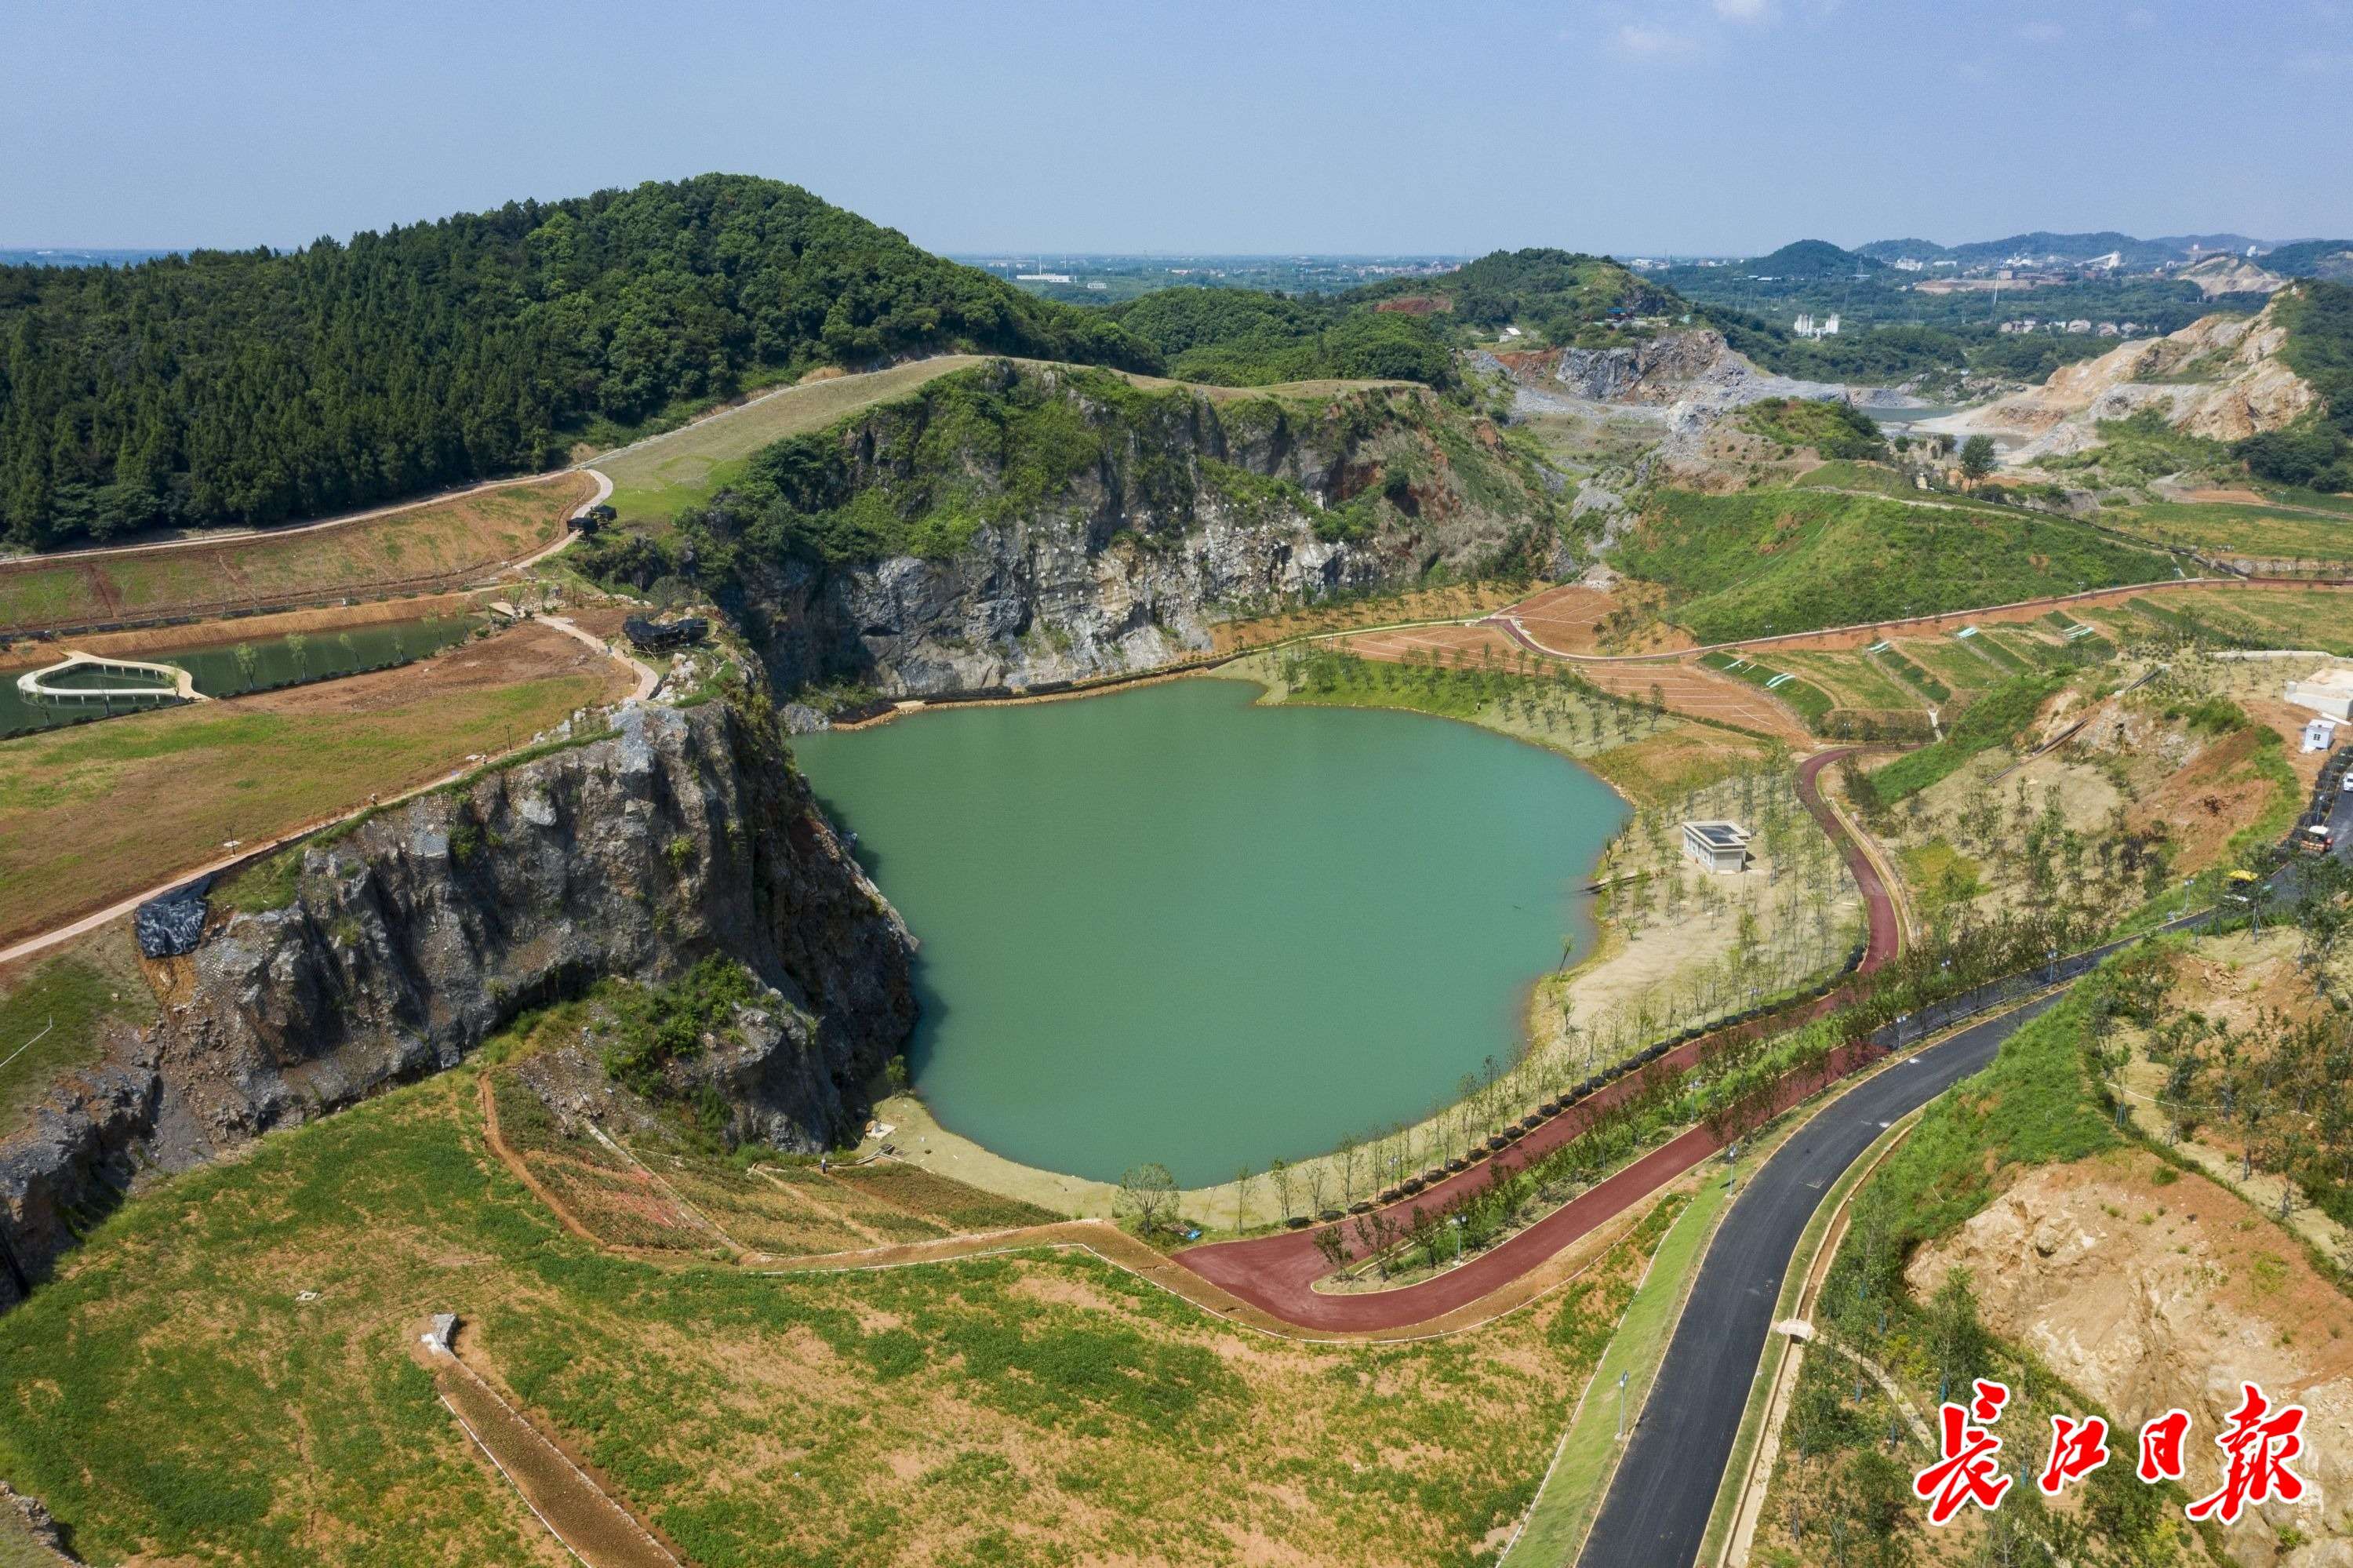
1891,659
1034,1408
1772,561
1850,678
1955,665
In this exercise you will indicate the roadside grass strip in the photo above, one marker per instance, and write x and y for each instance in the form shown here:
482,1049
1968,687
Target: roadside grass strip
1589,1452
1735,1486
1810,701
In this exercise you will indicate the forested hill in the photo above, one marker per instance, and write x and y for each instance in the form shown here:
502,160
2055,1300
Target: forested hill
252,387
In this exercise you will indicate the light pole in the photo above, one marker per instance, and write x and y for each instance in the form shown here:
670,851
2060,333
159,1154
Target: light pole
1621,1407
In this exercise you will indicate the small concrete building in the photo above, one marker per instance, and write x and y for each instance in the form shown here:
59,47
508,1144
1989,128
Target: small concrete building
1717,846
2325,691
2320,735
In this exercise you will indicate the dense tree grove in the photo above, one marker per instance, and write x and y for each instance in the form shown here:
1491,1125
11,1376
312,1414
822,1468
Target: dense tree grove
1559,293
252,386
1244,337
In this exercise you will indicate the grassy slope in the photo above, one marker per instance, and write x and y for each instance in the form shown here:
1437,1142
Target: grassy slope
654,478
51,1010
98,811
1791,560
464,534
2230,527
1027,1409
686,467
1589,1453
1990,721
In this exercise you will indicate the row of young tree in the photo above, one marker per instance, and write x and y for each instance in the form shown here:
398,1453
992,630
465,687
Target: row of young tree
253,387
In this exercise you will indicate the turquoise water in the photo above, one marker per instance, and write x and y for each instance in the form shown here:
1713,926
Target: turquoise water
1168,925
267,662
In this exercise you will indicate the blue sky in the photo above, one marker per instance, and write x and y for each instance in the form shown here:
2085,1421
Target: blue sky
1271,126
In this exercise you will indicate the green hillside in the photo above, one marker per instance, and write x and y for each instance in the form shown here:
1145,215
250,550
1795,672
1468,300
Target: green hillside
255,387
1814,258
2327,258
1244,337
1792,560
1562,295
2317,451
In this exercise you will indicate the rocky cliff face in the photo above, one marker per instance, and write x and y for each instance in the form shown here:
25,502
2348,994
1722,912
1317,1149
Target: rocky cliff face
413,938
2221,377
1197,511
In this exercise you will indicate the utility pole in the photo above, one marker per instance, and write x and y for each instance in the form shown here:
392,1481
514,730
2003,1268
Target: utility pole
1622,1406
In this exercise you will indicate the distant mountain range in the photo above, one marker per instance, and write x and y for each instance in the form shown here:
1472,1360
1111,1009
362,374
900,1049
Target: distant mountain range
73,256
2043,246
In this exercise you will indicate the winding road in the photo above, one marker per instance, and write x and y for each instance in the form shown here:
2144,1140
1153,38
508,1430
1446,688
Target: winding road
1655,1512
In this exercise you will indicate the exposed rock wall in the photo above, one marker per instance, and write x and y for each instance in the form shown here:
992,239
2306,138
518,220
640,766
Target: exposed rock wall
1133,562
416,936
2219,377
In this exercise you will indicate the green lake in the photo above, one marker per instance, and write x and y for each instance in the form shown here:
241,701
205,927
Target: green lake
1170,925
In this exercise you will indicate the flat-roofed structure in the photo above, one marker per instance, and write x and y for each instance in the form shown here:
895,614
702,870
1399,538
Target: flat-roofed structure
2327,692
1717,846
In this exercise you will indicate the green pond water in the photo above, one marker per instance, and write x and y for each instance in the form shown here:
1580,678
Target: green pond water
1170,925
220,671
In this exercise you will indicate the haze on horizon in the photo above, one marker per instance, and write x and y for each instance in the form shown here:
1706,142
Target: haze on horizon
1689,126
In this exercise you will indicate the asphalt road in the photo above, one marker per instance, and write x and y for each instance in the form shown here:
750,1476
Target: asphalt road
1658,1504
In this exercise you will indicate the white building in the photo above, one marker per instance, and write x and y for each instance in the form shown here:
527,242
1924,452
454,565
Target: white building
1806,326
2319,734
1717,846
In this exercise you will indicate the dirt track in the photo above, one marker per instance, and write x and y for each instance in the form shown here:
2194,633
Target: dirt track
1683,688
592,1524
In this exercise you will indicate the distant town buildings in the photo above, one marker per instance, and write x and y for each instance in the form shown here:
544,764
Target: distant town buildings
1808,327
1042,277
2019,325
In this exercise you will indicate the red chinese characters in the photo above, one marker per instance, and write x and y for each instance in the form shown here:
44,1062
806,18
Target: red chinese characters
2257,1443
2077,1448
2161,1447
1968,1469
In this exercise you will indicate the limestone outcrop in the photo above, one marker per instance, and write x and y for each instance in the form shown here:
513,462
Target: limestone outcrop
405,942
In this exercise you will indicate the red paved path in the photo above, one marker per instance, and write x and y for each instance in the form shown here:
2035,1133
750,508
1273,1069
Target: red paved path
1277,1273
